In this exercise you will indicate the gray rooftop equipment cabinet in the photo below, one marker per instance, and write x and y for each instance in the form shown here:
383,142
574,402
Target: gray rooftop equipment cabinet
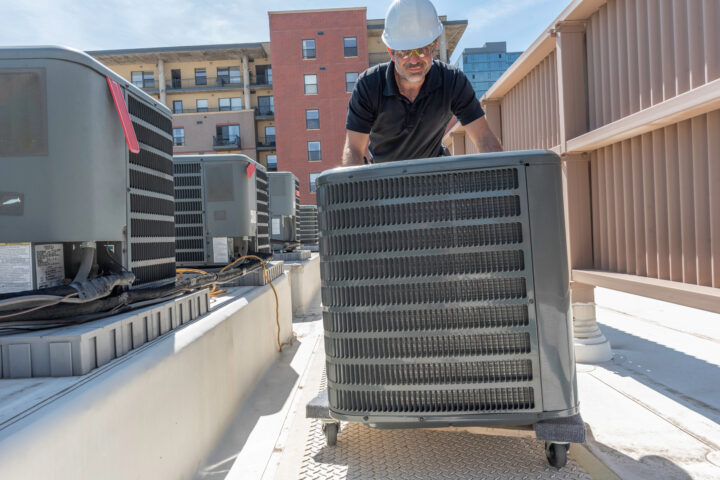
216,208
308,225
67,173
284,190
445,292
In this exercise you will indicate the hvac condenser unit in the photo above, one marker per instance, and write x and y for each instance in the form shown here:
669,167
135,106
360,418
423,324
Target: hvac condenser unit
308,225
445,292
284,190
217,208
68,179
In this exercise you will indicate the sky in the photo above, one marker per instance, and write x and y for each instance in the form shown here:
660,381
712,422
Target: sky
122,24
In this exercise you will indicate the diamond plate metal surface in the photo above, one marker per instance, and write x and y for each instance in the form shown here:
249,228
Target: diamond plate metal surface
366,453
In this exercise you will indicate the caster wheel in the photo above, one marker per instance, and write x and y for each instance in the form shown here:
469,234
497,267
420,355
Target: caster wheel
556,453
331,431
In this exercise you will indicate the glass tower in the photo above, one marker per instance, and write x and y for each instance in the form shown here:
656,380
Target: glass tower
483,66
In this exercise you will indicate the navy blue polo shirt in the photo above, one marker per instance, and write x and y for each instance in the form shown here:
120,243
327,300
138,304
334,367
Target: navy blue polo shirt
404,130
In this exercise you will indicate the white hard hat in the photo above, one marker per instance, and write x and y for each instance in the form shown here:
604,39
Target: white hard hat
411,24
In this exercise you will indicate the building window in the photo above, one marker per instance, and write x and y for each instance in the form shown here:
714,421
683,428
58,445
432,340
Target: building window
313,177
272,163
228,76
312,119
350,46
308,48
311,87
263,75
143,79
227,135
175,80
314,153
200,76
228,104
177,106
201,105
265,105
178,136
350,81
270,136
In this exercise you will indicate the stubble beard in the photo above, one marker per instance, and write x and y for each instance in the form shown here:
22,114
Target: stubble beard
411,77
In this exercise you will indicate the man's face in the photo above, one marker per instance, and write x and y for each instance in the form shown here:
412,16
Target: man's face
413,65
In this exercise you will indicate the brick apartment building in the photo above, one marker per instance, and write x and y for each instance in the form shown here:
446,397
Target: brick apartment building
323,52
287,112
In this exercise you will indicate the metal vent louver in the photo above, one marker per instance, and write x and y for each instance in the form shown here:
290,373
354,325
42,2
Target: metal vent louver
307,225
152,229
297,209
189,222
428,290
263,214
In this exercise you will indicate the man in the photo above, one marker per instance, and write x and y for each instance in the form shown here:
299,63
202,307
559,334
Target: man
399,110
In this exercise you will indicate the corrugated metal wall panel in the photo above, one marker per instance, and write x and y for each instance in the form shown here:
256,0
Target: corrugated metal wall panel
643,52
656,203
655,198
531,120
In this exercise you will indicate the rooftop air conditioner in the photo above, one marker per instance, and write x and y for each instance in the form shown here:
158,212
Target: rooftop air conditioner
445,292
219,208
308,225
284,190
69,183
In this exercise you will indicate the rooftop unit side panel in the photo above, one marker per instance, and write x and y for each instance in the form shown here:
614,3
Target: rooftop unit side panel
281,189
398,304
67,172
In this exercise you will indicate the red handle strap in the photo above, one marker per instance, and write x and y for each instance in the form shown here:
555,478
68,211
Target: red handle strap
122,110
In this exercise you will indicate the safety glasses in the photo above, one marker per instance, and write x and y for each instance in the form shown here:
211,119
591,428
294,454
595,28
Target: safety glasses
427,50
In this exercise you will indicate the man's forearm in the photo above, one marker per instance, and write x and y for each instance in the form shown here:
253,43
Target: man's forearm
481,135
351,157
488,142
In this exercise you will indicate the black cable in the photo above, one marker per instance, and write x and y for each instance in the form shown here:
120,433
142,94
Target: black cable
65,314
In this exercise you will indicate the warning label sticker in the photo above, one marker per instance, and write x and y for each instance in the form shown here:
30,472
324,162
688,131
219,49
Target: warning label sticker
15,267
49,265
276,226
221,253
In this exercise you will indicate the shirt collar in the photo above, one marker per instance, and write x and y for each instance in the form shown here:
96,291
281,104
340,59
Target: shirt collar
432,80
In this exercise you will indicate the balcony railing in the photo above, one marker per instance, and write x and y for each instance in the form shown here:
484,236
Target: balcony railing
226,142
260,80
206,83
206,110
267,142
264,111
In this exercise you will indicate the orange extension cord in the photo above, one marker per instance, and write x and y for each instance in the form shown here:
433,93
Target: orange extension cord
215,291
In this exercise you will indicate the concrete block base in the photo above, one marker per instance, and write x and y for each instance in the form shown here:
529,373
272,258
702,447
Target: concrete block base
79,349
257,277
293,256
304,281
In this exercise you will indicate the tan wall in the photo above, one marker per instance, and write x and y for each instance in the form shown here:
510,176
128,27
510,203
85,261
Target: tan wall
628,92
376,45
530,109
641,53
199,137
656,203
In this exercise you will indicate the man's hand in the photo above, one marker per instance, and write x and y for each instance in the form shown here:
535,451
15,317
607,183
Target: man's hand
481,135
356,144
